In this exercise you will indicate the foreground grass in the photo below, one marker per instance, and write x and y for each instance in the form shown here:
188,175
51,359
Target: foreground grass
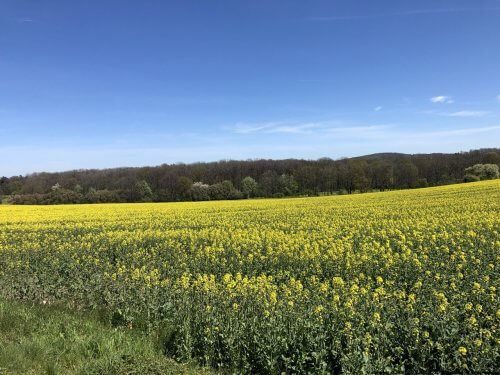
37,339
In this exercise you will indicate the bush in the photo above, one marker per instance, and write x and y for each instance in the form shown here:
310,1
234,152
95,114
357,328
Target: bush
483,171
471,178
422,182
199,192
142,192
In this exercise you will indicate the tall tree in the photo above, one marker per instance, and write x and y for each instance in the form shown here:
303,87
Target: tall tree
406,174
287,185
249,187
269,183
142,192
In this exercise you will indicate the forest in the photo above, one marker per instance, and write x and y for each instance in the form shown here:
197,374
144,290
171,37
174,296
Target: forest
233,179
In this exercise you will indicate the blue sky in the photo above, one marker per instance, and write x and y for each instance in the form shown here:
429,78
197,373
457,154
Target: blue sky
94,84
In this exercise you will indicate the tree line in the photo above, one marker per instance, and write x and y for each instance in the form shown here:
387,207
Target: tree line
231,179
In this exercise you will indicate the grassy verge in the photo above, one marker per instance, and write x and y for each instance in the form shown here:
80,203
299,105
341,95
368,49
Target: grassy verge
37,339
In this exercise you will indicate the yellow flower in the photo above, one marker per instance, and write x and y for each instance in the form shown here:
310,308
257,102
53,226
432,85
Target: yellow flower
337,281
411,298
472,321
486,333
273,297
367,340
323,287
319,309
462,350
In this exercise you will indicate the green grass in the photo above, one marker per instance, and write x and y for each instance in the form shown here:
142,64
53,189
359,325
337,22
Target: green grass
40,339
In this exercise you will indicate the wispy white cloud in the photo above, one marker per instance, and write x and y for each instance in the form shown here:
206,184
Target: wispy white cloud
400,14
438,99
441,99
276,127
467,114
356,130
464,113
322,128
306,128
376,133
378,108
463,131
245,128
498,97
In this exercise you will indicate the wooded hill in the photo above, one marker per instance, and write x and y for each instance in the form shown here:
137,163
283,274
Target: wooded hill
232,179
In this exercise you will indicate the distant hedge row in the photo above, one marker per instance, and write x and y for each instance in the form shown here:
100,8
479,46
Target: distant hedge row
251,178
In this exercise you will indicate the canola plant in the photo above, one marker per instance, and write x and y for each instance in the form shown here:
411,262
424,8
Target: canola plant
400,282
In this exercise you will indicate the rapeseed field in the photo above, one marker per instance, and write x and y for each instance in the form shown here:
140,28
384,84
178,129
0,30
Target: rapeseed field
400,282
